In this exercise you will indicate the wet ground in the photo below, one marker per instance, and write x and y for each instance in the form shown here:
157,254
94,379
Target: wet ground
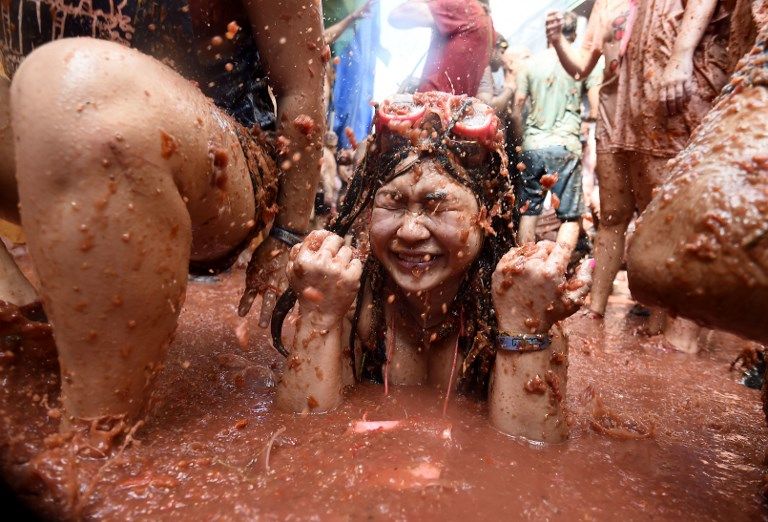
655,435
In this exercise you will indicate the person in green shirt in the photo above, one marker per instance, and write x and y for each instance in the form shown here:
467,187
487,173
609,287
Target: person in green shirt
551,157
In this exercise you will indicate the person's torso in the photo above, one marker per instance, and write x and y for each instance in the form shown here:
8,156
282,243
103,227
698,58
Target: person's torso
455,62
171,31
555,109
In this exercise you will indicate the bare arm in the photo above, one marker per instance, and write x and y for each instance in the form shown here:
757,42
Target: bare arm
577,62
413,13
676,78
695,20
527,393
328,174
325,276
332,33
293,50
593,96
517,115
500,102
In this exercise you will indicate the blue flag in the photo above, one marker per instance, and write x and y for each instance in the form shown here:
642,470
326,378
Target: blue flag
355,72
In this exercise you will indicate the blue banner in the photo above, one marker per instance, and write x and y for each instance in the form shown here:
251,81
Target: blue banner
353,89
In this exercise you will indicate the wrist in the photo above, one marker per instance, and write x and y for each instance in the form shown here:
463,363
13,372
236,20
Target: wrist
681,58
320,321
285,237
523,325
524,343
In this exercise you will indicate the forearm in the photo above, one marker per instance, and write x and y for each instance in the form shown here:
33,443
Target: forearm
300,160
695,20
499,103
294,53
579,63
527,392
312,381
332,33
593,96
328,181
517,125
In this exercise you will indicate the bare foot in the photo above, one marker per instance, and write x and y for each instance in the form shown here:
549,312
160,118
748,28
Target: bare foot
683,335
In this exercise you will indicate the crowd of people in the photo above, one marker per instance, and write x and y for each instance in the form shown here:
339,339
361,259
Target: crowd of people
149,147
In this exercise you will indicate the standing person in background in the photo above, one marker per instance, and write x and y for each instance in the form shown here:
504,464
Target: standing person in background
328,188
462,38
713,212
498,95
501,94
605,29
551,156
331,35
676,63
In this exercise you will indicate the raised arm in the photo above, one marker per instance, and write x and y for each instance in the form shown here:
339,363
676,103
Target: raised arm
530,295
332,33
295,56
326,277
577,62
676,78
412,13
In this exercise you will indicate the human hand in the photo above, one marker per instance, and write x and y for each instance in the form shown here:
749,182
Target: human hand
363,10
325,275
265,275
530,291
554,27
676,85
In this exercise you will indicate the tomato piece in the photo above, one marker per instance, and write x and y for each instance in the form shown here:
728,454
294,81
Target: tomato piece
400,113
479,125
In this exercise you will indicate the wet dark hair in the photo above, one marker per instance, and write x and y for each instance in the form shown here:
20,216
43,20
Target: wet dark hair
501,42
480,166
570,22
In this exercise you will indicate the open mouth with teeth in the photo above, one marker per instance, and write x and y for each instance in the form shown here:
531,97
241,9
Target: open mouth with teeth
416,262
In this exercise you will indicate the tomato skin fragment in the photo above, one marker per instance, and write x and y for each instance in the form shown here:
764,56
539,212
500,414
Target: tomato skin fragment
479,126
400,114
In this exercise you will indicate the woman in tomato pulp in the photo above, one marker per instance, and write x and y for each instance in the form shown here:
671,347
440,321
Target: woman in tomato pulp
439,295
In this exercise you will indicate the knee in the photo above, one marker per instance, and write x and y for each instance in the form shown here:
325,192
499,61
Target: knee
79,102
67,79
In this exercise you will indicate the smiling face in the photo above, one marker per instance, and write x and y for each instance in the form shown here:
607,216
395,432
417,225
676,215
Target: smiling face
424,229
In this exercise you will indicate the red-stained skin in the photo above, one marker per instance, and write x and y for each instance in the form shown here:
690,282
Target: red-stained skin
423,242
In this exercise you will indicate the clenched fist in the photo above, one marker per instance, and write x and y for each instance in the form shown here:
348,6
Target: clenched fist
530,291
325,275
554,25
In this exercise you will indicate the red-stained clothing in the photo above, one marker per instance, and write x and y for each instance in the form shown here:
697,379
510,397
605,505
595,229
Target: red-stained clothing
460,47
